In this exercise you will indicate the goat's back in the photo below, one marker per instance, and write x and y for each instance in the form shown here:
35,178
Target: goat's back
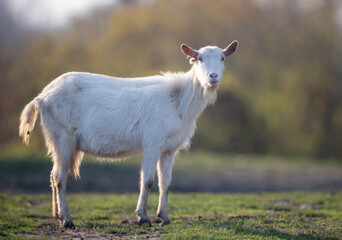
111,116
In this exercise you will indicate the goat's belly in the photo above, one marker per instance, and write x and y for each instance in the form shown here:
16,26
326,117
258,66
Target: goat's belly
109,148
112,154
122,154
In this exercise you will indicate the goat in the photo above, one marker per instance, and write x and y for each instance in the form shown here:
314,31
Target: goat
112,117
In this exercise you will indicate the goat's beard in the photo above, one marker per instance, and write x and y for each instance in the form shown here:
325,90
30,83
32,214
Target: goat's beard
210,94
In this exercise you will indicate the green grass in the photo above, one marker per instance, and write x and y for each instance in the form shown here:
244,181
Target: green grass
295,215
312,214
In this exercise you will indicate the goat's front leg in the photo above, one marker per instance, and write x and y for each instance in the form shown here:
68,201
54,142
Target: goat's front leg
147,173
164,177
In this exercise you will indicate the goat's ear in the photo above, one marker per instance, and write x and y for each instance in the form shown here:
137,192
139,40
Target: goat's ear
231,48
188,51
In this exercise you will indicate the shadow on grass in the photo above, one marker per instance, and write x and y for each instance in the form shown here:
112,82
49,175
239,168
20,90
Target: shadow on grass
184,227
275,233
237,225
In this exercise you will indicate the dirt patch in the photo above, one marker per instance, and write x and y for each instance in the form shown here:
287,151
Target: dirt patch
50,229
155,220
134,221
286,205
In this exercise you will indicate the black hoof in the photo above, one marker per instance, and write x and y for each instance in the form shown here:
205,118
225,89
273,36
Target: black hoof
69,225
143,221
165,222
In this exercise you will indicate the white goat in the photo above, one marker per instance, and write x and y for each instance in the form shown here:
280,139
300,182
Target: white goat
118,117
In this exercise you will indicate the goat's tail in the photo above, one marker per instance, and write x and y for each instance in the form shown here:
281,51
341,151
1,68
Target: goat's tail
27,120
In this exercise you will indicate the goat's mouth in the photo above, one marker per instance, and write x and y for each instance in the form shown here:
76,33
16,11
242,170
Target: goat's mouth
213,82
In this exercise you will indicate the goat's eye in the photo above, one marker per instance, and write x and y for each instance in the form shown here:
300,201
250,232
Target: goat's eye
200,59
222,59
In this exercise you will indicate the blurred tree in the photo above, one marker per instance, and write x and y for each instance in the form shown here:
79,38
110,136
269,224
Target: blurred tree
281,92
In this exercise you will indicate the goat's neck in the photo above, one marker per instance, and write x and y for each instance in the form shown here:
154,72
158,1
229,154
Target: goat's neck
194,97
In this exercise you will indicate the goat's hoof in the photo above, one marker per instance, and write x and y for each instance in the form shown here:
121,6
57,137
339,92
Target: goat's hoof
69,225
143,221
164,219
165,222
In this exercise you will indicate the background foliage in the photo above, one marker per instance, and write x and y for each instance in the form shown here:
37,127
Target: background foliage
281,92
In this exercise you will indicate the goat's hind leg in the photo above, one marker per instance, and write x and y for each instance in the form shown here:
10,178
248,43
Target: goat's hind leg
54,197
64,158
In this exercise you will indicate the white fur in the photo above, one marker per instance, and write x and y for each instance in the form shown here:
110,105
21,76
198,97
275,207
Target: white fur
118,117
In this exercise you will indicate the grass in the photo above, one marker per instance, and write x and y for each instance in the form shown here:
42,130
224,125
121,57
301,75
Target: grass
307,204
295,215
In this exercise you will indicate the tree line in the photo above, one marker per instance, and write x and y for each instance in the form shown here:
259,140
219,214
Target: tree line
280,94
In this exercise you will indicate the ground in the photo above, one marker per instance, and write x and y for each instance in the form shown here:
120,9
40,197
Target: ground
253,197
295,215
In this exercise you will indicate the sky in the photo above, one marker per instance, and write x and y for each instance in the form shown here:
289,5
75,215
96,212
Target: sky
58,13
53,13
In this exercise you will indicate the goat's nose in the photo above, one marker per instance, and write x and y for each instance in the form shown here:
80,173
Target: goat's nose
213,75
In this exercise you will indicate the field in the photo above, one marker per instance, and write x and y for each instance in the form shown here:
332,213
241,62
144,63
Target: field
195,216
252,197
